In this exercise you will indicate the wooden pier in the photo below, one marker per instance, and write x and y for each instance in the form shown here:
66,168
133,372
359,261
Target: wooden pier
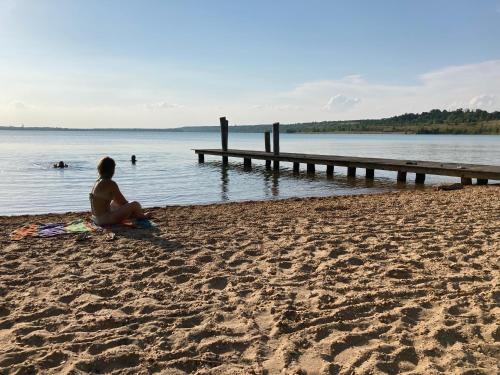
421,168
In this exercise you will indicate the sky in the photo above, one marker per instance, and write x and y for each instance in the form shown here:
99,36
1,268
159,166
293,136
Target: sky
161,64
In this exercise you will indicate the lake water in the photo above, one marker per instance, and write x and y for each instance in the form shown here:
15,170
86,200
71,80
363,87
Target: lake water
167,171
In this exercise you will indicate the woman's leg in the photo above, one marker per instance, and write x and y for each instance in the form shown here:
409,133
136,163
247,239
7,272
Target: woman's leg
130,209
114,205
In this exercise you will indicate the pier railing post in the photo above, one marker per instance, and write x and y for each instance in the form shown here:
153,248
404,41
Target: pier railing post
267,144
276,143
224,129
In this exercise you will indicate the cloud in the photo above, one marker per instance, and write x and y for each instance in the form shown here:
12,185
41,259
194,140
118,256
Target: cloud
163,105
464,86
341,102
482,101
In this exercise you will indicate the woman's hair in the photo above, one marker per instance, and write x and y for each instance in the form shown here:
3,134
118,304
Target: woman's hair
106,167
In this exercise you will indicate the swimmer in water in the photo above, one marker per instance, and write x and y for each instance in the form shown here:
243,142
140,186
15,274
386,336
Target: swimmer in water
61,165
133,159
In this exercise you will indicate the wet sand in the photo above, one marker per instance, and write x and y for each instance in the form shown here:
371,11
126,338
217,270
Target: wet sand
382,284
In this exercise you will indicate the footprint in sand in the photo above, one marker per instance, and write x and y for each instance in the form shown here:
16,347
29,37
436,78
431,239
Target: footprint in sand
399,273
218,282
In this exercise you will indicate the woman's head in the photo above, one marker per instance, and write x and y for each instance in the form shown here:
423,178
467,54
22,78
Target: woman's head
106,167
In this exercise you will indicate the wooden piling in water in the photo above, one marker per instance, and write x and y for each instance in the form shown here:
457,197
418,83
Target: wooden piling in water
247,163
401,176
351,171
267,145
419,178
466,181
311,168
482,181
201,158
224,129
296,167
276,144
370,173
329,170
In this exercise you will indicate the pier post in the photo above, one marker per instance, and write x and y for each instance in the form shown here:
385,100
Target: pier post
329,170
482,181
466,181
201,158
247,163
311,168
296,167
224,129
420,178
267,145
401,176
276,143
370,173
351,171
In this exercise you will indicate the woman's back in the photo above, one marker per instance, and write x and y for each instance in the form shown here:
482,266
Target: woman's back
101,196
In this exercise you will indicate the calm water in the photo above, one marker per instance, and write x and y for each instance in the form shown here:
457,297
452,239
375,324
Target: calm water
168,173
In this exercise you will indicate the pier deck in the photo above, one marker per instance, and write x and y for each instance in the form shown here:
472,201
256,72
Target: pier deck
466,172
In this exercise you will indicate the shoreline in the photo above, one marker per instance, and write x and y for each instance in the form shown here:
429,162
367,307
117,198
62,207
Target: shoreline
176,130
424,188
235,202
403,281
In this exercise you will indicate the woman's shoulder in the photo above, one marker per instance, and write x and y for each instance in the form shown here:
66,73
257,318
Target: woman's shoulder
105,183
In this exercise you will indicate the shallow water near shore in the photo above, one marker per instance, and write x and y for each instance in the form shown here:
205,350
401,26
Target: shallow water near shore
167,171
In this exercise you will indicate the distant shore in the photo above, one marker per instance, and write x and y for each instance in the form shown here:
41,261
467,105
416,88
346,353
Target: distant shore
434,122
394,282
209,129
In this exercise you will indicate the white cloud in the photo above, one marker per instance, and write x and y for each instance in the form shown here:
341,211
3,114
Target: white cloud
482,101
341,103
464,86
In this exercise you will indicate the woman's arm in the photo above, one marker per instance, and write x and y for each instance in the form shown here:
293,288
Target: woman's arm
117,195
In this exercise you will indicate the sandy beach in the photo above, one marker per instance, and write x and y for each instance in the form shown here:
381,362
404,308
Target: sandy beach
392,283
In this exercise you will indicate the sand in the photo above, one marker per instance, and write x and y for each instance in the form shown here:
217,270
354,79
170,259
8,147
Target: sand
378,284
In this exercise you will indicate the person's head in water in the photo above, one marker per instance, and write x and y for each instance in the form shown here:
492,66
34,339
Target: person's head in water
106,167
133,159
61,164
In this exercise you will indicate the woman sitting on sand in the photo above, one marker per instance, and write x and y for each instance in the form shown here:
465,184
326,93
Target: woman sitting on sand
108,204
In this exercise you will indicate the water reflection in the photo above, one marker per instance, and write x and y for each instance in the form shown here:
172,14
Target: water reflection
276,183
224,182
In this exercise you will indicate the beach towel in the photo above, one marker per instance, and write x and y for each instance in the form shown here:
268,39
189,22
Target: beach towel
75,226
51,230
80,226
30,230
